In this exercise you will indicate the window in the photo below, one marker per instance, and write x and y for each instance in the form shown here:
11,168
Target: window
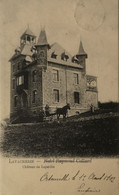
42,54
53,55
13,68
55,75
19,64
34,96
20,80
28,38
76,79
34,75
13,83
56,95
64,56
15,101
76,97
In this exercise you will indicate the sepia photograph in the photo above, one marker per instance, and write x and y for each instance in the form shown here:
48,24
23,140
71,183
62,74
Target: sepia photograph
59,99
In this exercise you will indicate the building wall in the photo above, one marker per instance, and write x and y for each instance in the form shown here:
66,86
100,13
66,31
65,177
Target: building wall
72,87
49,84
14,70
66,87
34,108
92,98
44,86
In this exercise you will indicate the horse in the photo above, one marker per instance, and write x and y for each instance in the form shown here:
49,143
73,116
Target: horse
62,111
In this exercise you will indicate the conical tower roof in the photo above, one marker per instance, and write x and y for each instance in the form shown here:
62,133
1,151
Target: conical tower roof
42,40
81,50
28,32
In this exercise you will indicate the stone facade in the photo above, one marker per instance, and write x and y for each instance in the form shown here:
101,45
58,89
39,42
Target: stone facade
43,74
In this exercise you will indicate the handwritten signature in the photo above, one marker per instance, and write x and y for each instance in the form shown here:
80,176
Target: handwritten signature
84,189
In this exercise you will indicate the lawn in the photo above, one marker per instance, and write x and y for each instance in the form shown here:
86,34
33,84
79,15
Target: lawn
95,138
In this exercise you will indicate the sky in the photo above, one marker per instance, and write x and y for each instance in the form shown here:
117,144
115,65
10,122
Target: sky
95,22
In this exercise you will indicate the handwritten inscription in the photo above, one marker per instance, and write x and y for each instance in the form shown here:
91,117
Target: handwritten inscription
84,186
47,177
77,176
87,181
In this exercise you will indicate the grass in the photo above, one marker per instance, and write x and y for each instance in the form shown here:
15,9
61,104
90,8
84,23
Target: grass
98,137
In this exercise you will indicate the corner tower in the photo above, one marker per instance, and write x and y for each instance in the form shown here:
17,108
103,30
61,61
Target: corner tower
81,56
42,46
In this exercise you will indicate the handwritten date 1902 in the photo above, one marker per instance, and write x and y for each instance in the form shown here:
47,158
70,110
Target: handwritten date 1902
78,176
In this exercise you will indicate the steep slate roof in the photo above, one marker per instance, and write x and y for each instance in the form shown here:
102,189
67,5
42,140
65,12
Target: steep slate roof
14,55
26,50
81,50
42,40
58,49
55,48
28,32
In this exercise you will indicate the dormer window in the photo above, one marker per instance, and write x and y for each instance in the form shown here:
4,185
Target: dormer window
75,60
64,56
17,50
53,55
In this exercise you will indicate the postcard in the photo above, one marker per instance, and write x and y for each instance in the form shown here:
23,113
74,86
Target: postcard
59,104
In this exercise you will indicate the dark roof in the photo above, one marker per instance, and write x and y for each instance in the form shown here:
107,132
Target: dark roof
42,40
81,50
59,50
28,32
26,50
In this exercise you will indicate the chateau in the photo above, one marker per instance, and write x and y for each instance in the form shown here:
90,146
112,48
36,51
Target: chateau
44,74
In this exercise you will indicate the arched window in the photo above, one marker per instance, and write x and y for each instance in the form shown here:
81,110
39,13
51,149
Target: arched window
15,101
34,76
34,96
42,54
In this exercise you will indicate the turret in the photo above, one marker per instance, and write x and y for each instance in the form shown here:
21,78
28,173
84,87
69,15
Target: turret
27,38
81,56
42,46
